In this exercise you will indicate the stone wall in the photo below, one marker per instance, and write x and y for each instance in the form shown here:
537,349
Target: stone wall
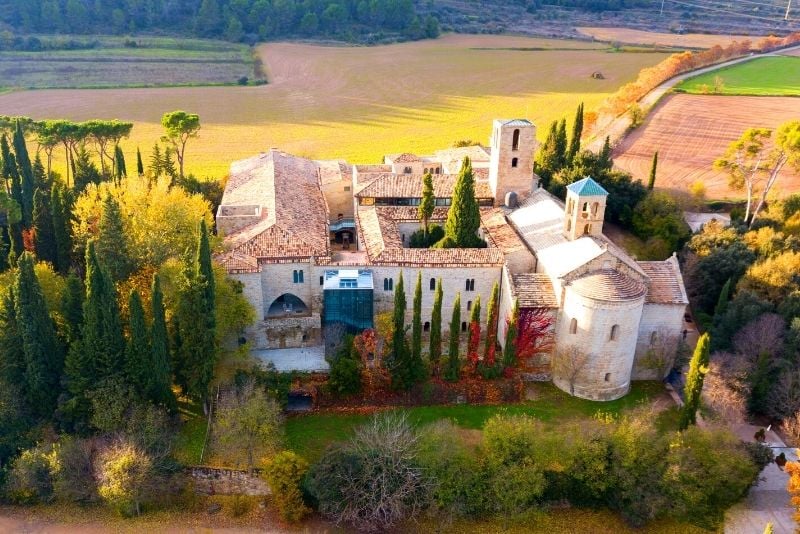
661,324
217,481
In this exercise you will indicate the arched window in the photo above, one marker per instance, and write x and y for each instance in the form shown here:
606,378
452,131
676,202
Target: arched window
514,162
595,205
585,206
608,377
469,305
432,284
515,141
427,326
614,333
587,229
407,170
573,326
463,326
388,284
569,225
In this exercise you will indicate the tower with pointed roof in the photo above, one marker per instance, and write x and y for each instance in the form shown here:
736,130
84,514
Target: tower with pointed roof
585,209
511,162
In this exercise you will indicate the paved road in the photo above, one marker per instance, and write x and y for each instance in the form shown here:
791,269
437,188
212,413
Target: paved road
617,129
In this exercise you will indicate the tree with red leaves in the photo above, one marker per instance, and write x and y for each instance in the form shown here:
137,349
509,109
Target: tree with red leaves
529,333
474,334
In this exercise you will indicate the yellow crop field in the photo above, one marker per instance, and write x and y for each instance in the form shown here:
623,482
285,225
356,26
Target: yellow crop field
359,103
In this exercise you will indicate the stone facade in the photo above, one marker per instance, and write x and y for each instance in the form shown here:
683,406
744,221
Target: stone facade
511,168
216,481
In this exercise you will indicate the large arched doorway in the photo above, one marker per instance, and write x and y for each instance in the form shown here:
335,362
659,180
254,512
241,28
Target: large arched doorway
286,305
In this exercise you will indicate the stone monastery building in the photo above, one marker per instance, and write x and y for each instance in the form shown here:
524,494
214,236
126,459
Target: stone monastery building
322,242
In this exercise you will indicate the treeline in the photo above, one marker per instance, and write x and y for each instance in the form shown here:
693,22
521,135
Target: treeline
246,20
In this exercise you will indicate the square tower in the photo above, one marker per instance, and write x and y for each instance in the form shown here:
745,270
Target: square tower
511,162
585,209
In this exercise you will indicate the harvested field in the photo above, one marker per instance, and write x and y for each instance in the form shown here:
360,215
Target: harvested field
795,52
691,131
686,40
360,103
765,76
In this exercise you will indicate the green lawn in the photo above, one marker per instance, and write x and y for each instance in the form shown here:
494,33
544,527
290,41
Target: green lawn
768,76
190,440
310,434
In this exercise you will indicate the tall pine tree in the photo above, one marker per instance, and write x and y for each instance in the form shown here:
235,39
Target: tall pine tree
604,161
510,346
61,209
111,241
698,367
139,162
428,202
12,357
72,308
195,335
26,175
561,145
44,359
491,326
120,170
577,132
453,370
463,217
651,181
44,235
416,323
435,351
546,163
138,365
159,385
399,356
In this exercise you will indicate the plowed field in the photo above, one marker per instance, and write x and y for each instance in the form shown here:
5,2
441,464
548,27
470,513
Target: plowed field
688,40
691,131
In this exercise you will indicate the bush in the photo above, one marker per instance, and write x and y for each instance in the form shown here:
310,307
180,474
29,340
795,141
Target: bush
283,474
125,478
74,479
420,240
30,479
242,81
345,376
373,481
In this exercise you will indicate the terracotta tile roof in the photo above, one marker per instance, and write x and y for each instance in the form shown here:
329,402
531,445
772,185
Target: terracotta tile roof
380,237
666,282
236,262
609,285
499,232
405,157
333,171
476,153
533,290
410,186
294,220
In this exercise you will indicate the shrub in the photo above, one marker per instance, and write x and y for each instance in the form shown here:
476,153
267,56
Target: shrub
420,240
74,479
125,478
345,376
30,479
284,473
373,481
242,81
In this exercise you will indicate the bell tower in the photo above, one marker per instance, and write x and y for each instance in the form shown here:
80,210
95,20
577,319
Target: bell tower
511,162
585,209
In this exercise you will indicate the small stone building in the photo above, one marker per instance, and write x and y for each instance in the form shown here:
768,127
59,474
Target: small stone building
314,242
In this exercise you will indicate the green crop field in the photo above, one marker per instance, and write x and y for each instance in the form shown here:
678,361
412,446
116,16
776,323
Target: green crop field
768,76
359,103
110,62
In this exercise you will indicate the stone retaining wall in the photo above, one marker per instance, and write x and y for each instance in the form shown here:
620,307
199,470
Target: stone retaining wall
217,481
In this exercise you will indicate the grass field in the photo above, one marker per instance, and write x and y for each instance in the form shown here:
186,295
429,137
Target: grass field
360,103
766,76
310,434
155,61
686,40
691,131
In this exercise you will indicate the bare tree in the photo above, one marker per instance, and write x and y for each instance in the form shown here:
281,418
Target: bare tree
247,424
783,399
787,150
721,394
568,363
791,429
660,356
762,335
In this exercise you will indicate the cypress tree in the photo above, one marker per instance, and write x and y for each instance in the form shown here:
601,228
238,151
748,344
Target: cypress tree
722,301
491,326
15,226
474,331
86,172
139,163
137,353
111,241
61,208
698,367
168,166
435,352
561,145
43,354
577,132
463,218
416,324
72,308
9,165
196,346
41,181
453,371
510,347
398,367
428,202
605,161
44,236
120,170
12,357
546,158
156,163
651,182
159,386
26,175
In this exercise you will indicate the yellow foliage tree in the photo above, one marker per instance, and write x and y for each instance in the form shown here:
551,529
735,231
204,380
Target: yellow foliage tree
773,278
793,468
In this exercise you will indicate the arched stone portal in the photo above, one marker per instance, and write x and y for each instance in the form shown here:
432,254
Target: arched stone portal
287,305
